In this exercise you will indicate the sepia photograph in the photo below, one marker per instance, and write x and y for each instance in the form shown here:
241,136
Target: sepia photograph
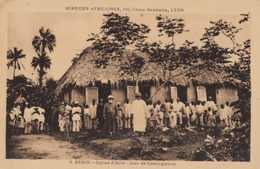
127,86
113,85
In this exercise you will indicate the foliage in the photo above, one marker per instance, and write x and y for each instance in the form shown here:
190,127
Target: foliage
241,71
233,145
118,34
216,57
46,39
22,86
19,86
14,57
43,61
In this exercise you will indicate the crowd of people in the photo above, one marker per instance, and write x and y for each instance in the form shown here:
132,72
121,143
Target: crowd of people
113,117
27,119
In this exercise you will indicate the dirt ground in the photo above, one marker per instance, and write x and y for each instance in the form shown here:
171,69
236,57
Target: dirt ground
156,145
42,146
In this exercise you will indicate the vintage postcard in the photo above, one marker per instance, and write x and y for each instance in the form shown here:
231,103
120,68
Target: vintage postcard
129,84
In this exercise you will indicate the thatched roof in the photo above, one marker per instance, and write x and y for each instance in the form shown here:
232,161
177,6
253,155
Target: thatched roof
84,73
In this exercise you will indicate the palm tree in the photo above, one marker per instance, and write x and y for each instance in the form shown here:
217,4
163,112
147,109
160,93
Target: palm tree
14,56
47,39
43,61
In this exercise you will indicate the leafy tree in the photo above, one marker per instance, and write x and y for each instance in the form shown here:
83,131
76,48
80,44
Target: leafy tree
20,86
165,55
14,57
217,57
117,35
42,61
46,39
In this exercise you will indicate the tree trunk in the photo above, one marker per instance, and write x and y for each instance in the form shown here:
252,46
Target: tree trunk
40,76
14,70
158,90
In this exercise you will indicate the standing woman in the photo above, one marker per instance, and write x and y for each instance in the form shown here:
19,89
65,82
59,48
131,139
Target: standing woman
140,114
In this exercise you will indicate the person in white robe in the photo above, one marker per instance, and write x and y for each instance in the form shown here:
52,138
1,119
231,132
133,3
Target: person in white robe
186,116
140,113
199,113
127,113
223,115
28,118
41,118
228,110
211,104
193,115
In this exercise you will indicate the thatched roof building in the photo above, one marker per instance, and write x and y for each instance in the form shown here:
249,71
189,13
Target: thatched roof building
84,73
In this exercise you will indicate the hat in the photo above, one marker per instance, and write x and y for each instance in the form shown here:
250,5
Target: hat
76,102
110,97
118,103
138,94
62,103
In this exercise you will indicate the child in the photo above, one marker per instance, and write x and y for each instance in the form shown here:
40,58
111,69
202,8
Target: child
119,116
127,112
161,114
186,116
199,113
154,115
193,115
93,113
223,115
87,122
210,119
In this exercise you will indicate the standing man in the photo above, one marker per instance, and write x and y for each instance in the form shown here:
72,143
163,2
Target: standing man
27,118
76,112
109,114
140,114
100,117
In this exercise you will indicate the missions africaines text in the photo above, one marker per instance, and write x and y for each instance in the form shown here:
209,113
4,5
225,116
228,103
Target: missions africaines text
118,9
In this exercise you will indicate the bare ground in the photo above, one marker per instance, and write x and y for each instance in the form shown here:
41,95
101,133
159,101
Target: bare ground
42,146
87,145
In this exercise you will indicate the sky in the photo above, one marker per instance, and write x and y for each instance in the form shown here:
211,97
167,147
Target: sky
72,29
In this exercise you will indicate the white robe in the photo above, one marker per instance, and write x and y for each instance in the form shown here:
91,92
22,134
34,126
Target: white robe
93,111
127,110
140,113
28,115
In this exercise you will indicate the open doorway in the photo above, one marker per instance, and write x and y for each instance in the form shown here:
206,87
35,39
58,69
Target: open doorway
145,91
